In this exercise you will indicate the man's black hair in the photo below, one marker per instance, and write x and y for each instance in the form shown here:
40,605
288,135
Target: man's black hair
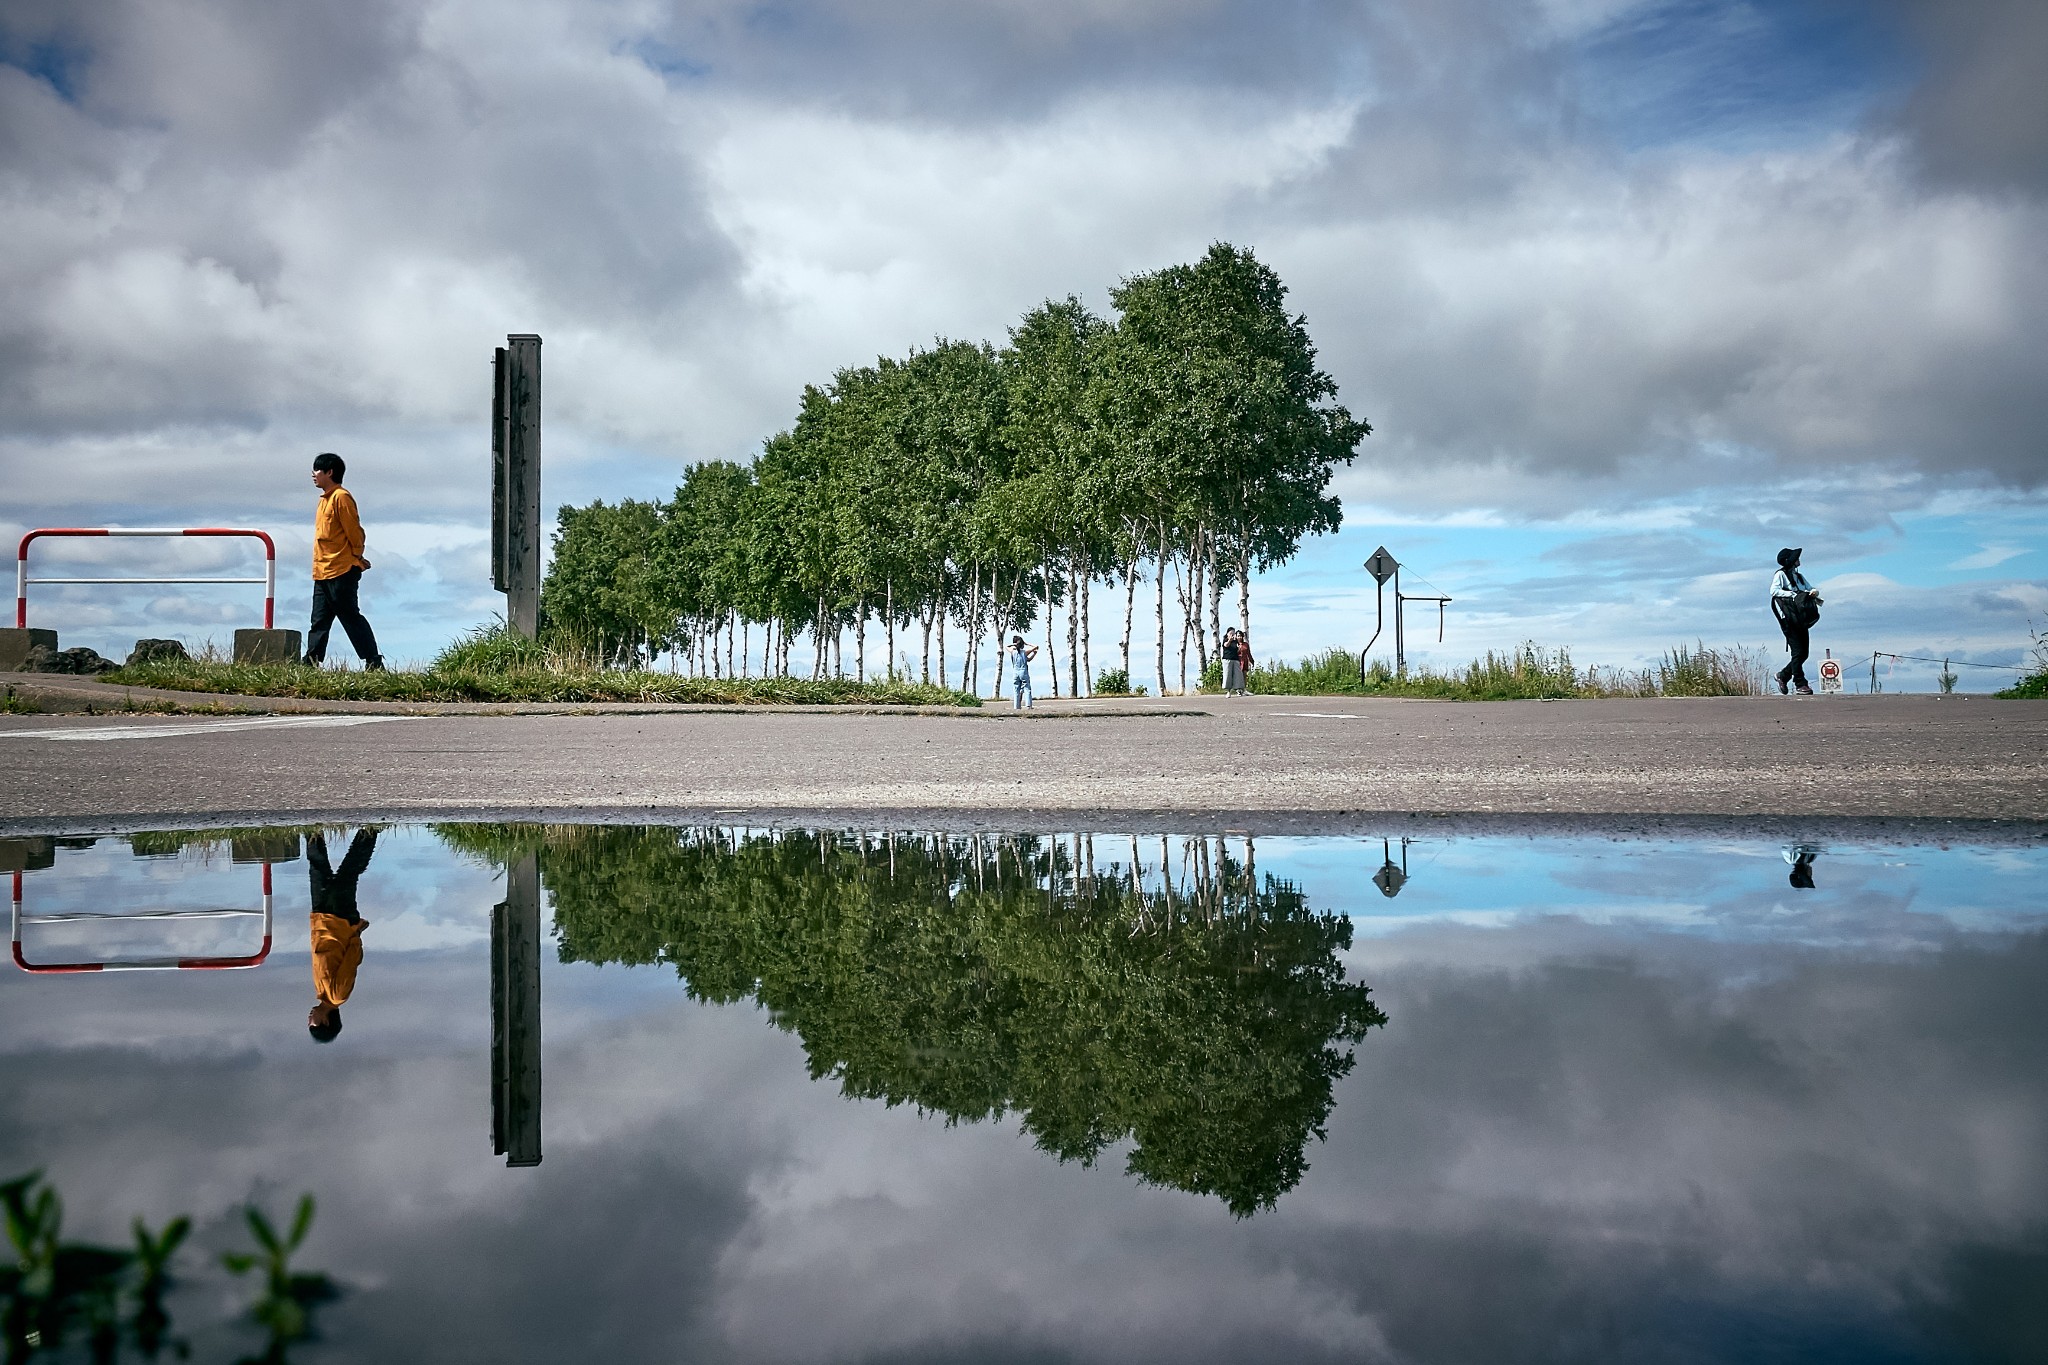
332,463
327,1030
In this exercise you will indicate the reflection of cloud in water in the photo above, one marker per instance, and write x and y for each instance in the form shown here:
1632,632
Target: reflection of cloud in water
1629,1143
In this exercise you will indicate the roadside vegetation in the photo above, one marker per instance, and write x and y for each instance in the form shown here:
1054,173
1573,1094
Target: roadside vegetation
1525,674
2034,684
492,664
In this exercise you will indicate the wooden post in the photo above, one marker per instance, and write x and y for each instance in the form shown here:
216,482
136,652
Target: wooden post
515,481
515,1015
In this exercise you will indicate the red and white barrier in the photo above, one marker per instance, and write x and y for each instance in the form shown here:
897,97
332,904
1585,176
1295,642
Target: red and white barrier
22,580
161,964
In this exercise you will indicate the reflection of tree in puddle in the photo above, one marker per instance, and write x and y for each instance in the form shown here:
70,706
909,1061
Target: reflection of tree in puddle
1202,1016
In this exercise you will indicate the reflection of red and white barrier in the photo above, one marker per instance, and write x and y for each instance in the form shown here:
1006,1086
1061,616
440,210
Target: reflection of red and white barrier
162,964
22,580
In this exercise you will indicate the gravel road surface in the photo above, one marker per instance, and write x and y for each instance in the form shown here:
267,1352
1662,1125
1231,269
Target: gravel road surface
1273,762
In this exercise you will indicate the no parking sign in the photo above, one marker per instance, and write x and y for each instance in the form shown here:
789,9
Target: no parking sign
1830,674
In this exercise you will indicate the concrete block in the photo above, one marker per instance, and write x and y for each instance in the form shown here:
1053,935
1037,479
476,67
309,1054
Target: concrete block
16,643
27,855
264,846
267,647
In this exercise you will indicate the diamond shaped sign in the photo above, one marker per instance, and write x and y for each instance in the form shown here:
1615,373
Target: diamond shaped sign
1390,879
1381,566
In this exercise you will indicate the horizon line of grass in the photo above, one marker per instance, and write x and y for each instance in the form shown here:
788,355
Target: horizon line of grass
1528,673
533,685
491,664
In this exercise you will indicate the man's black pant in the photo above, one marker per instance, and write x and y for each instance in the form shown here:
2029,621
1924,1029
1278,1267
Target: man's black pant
334,893
1798,641
335,598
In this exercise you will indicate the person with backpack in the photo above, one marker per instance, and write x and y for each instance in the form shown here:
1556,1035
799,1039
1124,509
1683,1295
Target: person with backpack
1797,607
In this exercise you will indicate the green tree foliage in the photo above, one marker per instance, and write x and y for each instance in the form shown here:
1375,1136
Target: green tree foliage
979,491
1203,1019
607,595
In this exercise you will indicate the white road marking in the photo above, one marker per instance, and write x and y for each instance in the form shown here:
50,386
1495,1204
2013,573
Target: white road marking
1320,715
99,732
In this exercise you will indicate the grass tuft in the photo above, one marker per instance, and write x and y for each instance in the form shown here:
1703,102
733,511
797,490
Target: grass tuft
2035,684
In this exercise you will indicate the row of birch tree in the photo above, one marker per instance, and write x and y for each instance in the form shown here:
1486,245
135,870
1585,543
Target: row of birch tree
965,493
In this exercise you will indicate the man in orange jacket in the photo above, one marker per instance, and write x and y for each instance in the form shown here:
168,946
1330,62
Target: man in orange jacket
338,566
337,929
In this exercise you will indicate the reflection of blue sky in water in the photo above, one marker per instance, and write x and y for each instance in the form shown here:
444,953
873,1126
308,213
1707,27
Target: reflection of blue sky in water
1868,896
1635,1100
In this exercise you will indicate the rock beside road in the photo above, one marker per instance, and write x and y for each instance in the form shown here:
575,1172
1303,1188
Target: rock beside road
156,651
81,660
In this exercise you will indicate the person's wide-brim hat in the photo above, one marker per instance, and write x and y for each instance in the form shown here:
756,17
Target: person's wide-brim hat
1787,558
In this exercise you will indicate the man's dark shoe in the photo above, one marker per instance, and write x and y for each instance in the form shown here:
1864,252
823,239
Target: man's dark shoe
309,662
1784,688
375,665
1805,691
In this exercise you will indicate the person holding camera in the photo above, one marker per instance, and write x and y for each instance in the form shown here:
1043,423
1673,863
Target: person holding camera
1797,607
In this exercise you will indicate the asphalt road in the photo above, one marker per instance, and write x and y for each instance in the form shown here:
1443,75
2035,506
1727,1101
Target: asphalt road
1263,762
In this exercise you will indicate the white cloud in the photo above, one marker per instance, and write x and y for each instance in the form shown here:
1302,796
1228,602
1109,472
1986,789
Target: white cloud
1990,557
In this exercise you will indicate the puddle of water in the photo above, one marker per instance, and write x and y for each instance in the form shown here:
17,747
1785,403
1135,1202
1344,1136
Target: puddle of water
640,1093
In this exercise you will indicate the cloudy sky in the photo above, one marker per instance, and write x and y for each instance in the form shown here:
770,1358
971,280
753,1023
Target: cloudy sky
1633,291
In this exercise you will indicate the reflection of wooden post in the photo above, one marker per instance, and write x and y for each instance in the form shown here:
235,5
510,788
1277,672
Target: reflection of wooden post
515,481
515,1015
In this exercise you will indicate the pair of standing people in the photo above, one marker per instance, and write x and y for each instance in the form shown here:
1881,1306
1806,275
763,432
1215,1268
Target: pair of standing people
1237,661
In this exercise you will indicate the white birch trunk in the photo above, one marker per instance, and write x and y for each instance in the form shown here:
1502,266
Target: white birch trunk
1159,606
1087,662
1052,652
1215,600
924,617
1244,591
1130,608
972,629
1073,634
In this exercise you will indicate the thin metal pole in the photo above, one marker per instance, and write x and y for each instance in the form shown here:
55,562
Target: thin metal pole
1400,635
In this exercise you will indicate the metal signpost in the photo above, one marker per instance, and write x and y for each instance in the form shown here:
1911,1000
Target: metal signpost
1383,566
1390,879
515,480
515,1015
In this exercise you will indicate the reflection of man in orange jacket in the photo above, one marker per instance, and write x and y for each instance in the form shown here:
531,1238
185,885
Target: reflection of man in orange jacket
337,929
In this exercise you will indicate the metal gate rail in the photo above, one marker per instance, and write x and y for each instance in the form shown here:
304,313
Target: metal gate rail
22,580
